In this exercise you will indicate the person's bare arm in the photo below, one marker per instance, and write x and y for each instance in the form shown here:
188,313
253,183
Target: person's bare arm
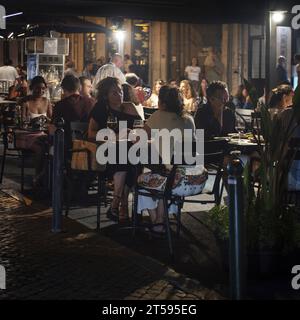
93,129
24,110
49,110
148,130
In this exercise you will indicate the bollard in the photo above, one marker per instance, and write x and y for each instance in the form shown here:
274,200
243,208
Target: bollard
237,249
57,176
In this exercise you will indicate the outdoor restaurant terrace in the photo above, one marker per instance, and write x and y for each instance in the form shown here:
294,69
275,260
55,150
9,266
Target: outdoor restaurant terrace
149,150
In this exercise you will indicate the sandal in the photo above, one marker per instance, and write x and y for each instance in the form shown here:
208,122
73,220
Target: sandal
123,214
156,233
113,214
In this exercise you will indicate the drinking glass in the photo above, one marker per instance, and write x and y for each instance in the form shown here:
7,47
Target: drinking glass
240,127
112,123
138,124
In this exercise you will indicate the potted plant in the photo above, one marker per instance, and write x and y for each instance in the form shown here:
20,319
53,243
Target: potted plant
272,229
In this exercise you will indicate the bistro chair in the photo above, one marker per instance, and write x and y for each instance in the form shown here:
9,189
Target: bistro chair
4,87
213,162
82,163
245,116
256,121
9,140
148,112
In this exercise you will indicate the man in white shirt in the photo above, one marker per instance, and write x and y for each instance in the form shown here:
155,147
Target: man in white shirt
8,72
111,69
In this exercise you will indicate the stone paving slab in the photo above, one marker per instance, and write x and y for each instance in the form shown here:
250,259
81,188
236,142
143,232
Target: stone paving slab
81,264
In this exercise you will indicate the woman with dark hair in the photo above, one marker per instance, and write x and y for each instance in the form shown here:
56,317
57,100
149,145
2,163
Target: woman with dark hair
190,98
242,99
170,115
203,88
129,95
281,98
36,104
110,105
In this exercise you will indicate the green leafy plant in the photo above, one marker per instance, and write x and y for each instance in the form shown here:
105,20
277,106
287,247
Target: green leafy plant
270,222
219,221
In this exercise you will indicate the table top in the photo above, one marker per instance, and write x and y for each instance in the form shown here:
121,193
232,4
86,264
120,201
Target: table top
8,102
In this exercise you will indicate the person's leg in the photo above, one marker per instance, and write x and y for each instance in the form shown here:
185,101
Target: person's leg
39,162
153,215
123,215
119,182
159,217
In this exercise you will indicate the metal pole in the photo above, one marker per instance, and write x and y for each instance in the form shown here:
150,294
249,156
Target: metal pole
268,56
237,250
57,185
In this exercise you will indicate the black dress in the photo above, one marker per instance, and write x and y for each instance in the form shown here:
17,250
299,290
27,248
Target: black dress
100,114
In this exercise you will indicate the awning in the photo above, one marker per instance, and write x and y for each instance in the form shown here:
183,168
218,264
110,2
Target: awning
42,24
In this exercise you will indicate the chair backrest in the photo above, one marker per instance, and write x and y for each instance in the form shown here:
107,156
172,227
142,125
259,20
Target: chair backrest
5,85
148,112
256,120
213,152
244,114
79,130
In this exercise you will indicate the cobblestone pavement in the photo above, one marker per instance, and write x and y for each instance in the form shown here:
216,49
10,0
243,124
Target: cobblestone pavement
81,264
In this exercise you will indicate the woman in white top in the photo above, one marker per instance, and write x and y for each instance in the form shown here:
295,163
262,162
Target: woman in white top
189,179
36,104
192,73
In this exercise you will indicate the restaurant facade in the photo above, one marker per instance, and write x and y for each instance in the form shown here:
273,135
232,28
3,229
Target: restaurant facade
162,50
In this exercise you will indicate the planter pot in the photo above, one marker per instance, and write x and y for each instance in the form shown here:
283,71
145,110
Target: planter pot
263,263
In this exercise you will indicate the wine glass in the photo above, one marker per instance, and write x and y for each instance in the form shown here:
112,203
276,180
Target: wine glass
138,124
240,127
112,122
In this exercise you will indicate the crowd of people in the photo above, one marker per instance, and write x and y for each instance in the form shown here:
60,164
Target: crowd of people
94,97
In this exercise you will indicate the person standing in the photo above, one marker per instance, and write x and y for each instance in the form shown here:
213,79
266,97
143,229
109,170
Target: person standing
111,69
213,66
70,69
281,72
8,72
127,62
192,73
88,70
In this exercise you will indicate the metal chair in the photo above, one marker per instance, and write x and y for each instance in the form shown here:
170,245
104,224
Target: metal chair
79,133
9,142
149,111
213,161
